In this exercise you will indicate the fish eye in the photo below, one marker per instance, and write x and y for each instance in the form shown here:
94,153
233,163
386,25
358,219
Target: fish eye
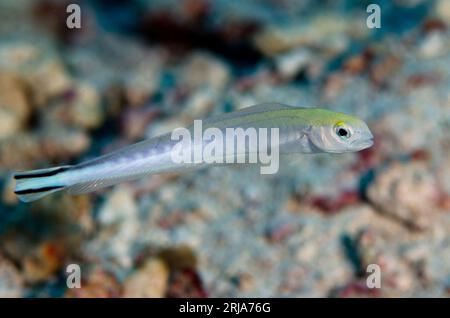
343,132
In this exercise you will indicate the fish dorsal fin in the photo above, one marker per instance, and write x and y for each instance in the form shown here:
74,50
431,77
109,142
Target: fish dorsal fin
263,107
259,108
267,105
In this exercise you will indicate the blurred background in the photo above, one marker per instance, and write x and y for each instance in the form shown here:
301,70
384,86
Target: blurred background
139,68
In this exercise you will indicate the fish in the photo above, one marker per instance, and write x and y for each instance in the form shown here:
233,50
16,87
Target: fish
301,130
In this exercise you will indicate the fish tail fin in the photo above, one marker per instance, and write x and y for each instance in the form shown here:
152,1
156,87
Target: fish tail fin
35,184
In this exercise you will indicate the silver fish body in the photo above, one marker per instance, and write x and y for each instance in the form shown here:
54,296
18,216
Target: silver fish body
300,130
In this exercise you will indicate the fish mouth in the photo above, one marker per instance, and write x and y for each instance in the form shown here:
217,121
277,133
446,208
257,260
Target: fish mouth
364,144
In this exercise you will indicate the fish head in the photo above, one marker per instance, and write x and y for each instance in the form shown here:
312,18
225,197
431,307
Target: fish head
337,133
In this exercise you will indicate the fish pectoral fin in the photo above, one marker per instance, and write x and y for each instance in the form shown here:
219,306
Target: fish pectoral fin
300,144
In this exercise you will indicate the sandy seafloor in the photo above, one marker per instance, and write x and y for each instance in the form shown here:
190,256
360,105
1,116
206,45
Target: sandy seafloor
140,68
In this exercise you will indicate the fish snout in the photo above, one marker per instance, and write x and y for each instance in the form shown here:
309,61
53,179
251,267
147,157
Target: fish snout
363,143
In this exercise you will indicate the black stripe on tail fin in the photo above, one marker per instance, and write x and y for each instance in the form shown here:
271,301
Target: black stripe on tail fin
44,189
40,173
29,195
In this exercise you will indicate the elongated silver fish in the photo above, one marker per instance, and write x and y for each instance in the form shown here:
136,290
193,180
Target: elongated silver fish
300,130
